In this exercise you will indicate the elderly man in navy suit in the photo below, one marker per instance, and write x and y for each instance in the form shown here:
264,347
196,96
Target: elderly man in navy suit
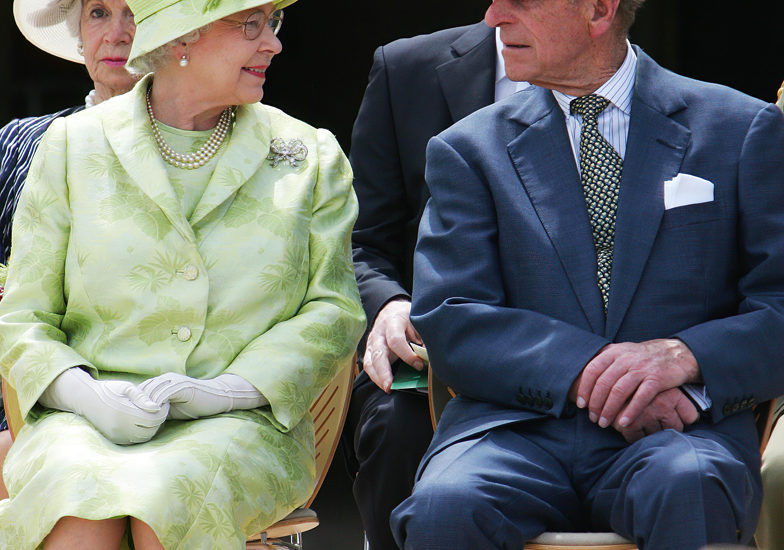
600,277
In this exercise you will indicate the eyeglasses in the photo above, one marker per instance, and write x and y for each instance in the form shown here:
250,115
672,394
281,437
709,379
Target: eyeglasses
254,24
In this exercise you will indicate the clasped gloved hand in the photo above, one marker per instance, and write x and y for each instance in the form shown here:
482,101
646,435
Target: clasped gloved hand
195,398
118,409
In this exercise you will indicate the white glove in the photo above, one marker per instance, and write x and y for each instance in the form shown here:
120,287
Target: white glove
195,398
118,409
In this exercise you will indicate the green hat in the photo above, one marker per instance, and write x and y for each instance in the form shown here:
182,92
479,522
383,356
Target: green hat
161,21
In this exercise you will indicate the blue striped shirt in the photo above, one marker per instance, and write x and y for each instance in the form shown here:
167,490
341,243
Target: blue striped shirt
19,140
614,120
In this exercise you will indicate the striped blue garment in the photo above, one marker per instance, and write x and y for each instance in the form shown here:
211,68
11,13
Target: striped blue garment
614,120
18,141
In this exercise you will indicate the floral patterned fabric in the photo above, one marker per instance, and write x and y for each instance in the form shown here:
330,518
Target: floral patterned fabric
107,273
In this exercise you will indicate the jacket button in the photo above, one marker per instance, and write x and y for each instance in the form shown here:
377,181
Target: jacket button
190,273
183,334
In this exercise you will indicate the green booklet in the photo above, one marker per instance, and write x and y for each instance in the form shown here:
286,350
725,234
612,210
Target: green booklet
408,378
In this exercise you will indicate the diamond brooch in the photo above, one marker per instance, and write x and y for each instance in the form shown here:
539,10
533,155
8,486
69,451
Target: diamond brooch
293,151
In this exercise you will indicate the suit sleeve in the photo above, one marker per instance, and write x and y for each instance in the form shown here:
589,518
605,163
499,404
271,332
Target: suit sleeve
33,347
741,357
379,234
303,353
477,344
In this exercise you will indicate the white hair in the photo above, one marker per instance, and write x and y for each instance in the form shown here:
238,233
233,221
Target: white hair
160,56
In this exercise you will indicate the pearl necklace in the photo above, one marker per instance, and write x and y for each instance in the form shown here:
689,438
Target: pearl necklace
190,161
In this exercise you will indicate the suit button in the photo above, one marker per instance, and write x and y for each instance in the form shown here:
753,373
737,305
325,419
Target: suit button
190,273
183,334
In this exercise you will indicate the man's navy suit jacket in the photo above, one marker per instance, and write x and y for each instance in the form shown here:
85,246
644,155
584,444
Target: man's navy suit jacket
505,293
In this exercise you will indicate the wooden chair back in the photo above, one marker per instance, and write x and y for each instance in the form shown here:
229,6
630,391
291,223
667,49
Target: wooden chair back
579,541
12,411
329,412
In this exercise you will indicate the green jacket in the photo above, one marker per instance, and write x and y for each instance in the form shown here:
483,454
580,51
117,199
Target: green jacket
106,271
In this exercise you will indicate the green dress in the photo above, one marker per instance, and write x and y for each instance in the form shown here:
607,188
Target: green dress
131,268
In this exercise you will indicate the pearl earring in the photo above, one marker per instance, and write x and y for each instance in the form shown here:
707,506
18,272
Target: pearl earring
184,61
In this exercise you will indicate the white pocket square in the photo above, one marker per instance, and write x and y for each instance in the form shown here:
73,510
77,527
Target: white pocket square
686,189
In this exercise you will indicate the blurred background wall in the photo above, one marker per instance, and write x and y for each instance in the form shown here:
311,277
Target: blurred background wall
328,46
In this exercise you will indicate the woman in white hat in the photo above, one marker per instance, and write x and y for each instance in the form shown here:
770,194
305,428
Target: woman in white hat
180,290
97,33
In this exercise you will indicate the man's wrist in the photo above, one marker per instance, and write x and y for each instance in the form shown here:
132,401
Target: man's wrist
687,358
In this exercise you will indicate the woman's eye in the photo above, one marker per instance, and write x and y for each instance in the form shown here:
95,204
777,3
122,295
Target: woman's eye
252,25
97,13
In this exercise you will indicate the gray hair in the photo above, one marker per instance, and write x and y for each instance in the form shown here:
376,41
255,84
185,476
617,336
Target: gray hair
157,58
627,10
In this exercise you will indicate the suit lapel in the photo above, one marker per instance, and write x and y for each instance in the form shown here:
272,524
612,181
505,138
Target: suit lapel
127,129
245,153
467,81
654,154
543,158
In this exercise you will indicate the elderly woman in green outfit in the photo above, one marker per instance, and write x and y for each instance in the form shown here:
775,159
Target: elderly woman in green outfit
180,289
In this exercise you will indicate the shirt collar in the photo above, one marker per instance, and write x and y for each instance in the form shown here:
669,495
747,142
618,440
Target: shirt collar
500,68
618,89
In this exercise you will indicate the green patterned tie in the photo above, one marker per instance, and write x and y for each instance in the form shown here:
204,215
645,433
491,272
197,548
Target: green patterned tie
600,175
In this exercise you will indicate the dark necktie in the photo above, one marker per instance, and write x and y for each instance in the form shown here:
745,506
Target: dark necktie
600,175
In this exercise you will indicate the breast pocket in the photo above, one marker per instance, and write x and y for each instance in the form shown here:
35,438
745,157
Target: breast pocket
692,214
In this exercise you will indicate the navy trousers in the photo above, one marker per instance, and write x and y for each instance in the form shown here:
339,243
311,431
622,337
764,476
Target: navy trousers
670,490
388,434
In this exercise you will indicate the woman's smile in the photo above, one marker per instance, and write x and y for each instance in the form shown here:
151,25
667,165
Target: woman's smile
258,71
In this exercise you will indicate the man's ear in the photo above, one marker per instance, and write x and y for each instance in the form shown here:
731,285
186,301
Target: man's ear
603,17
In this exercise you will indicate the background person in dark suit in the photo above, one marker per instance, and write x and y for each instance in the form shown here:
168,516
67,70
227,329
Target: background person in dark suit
418,87
603,243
